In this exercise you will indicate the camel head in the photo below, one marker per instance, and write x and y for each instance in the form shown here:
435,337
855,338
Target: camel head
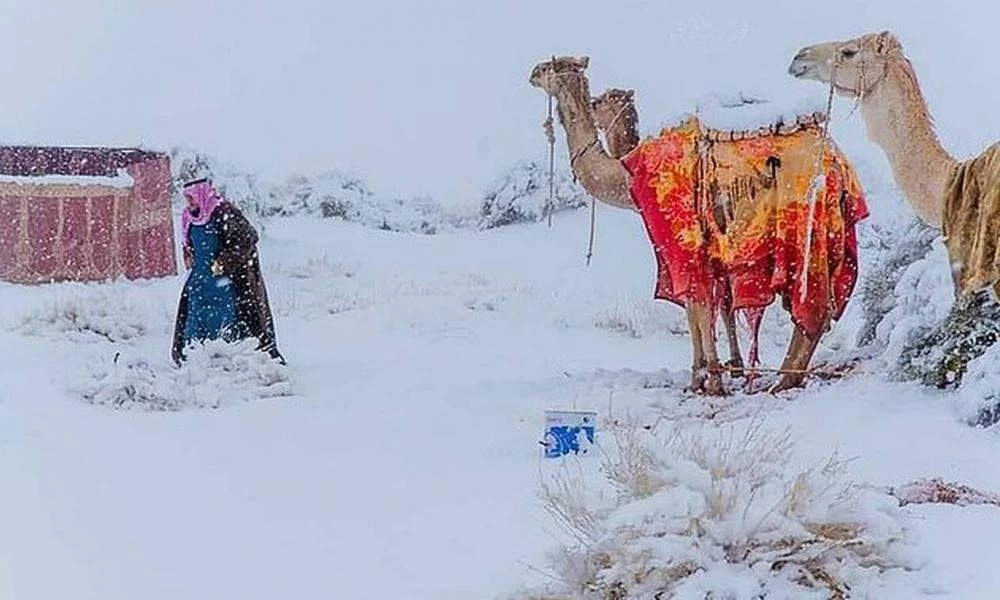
549,75
856,66
612,105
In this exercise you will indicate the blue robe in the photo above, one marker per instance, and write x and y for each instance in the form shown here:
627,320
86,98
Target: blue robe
233,306
211,310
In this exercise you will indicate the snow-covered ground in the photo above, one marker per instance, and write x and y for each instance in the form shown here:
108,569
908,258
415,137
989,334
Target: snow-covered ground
398,454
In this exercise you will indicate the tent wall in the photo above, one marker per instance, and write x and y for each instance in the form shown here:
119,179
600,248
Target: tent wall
84,230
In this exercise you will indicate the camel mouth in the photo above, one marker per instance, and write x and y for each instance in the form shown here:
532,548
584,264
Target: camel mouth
539,75
564,65
800,69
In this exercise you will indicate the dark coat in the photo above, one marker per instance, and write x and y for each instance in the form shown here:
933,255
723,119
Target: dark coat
239,261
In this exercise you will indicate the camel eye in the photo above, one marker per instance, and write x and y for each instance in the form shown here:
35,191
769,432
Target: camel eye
848,52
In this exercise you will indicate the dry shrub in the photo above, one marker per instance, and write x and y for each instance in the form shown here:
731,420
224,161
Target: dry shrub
706,512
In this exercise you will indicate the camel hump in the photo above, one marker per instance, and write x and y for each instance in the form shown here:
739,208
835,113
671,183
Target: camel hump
617,94
778,128
729,116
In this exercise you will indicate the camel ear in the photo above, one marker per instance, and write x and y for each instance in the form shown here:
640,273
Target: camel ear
584,61
629,94
887,42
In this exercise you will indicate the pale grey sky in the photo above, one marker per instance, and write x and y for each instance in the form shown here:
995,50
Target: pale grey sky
431,97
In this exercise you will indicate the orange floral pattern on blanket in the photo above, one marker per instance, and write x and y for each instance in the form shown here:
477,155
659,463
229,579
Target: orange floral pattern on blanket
735,213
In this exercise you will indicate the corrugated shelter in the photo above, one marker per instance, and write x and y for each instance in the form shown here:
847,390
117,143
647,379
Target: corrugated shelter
84,214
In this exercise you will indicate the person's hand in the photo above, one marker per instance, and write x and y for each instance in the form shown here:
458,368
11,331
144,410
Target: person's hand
216,268
188,258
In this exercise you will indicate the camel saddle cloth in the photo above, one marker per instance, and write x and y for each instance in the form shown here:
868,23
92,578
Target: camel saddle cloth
727,213
971,224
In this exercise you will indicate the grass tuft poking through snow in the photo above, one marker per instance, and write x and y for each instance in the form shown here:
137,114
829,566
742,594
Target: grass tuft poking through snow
642,317
116,313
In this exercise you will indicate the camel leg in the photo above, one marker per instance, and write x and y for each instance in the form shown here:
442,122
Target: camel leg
797,358
698,373
714,386
735,362
705,372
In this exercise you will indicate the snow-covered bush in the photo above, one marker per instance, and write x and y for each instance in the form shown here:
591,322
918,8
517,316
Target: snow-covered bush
343,196
128,385
978,397
330,195
898,249
216,374
940,355
921,299
244,190
910,310
520,196
701,512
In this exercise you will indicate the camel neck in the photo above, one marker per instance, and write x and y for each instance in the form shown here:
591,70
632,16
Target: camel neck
603,176
899,122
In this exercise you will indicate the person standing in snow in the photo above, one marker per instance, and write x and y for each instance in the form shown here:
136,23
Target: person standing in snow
224,294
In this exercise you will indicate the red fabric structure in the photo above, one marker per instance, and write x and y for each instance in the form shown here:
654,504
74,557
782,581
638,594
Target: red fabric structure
84,214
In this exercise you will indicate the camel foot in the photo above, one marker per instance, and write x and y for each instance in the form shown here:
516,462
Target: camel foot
787,382
714,387
708,381
699,375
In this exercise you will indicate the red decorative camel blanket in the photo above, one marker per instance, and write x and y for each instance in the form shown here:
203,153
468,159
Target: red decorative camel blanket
732,216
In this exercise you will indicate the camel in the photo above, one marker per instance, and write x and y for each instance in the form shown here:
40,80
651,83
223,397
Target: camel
604,175
617,118
960,198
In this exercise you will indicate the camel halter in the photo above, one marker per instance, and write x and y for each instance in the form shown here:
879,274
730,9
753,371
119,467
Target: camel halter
860,91
815,184
550,136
